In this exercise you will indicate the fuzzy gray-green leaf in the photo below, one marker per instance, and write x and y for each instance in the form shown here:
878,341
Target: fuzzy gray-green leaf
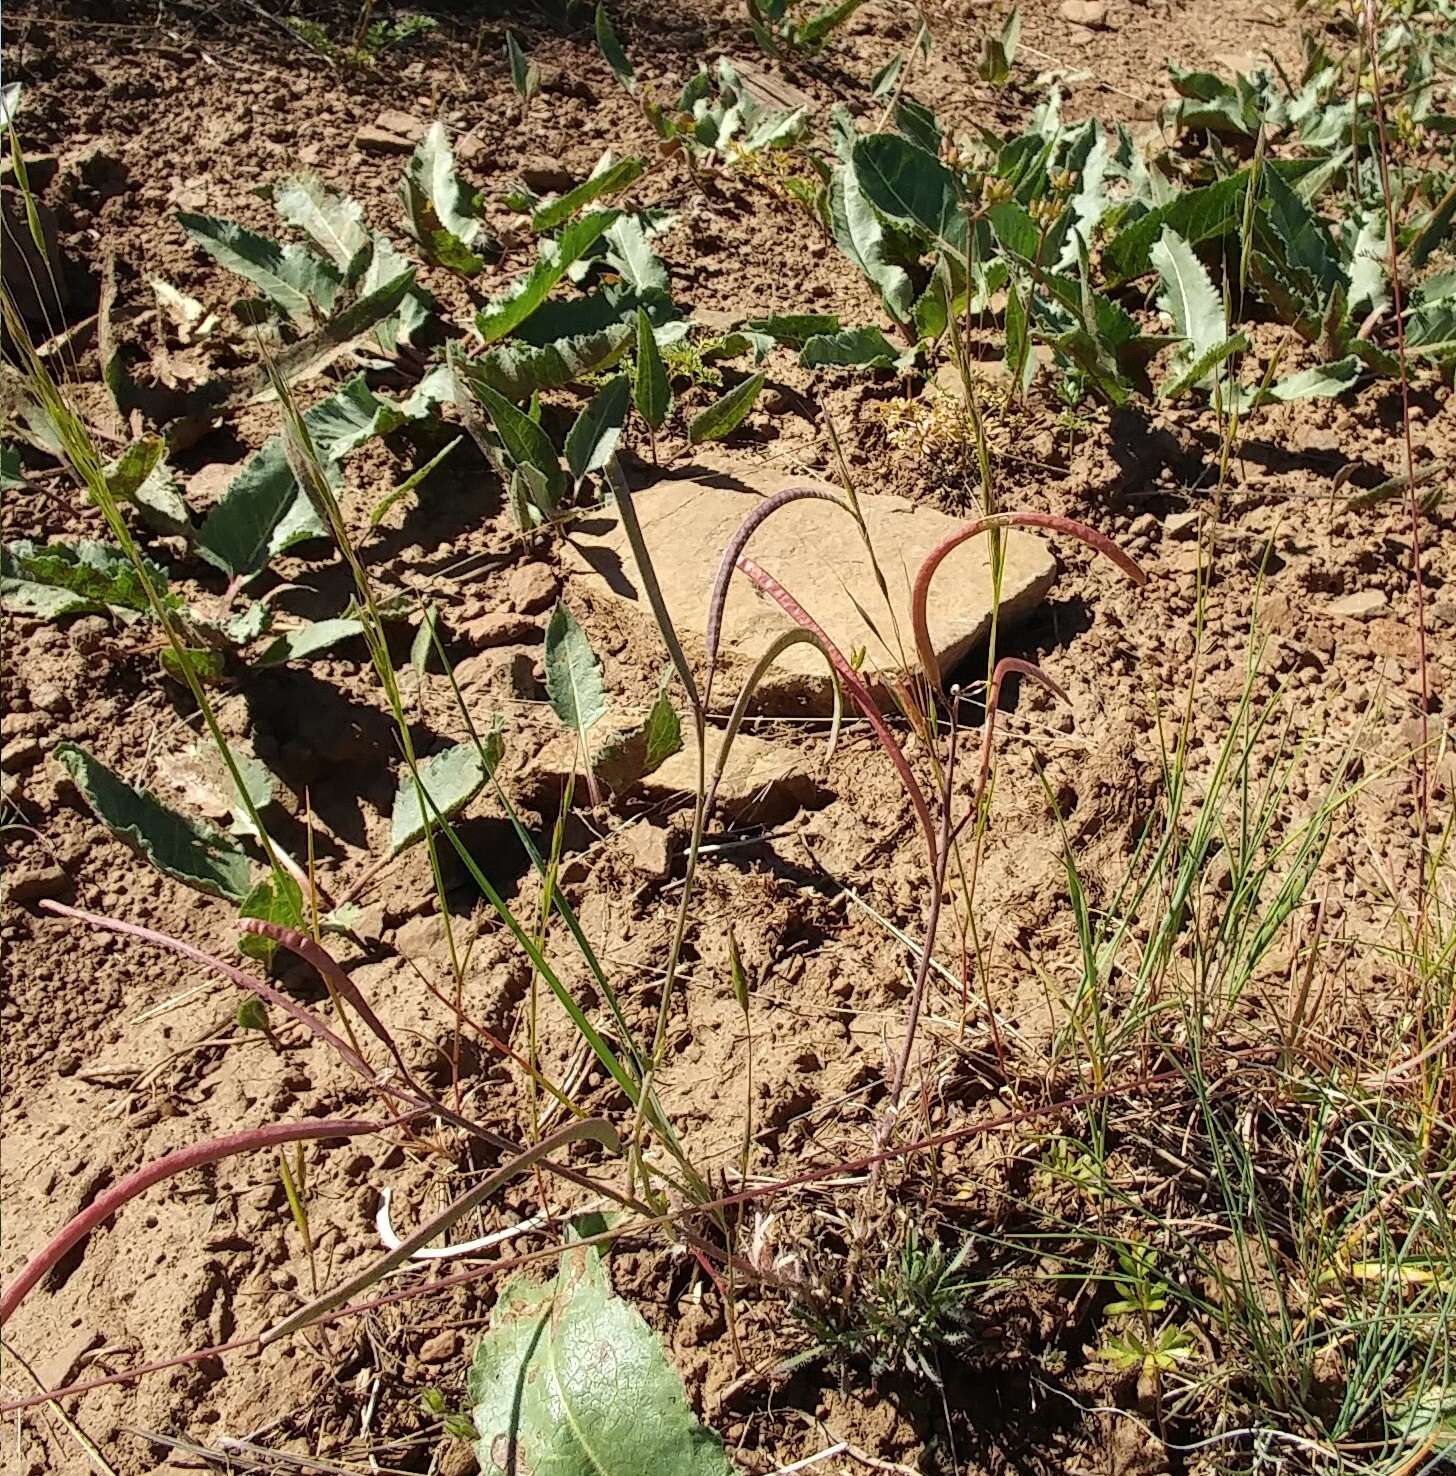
442,210
55,579
850,348
627,757
861,235
507,313
291,277
526,444
525,74
1198,369
309,640
611,49
451,779
1188,297
263,510
724,415
546,1400
608,178
518,370
595,433
908,185
573,674
342,332
191,850
334,222
651,392
633,258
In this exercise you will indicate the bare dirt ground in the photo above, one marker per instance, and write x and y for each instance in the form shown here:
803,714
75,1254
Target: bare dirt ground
115,1054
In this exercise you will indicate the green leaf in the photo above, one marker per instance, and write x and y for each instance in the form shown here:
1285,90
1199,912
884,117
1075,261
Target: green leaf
1431,331
415,311
861,235
611,48
342,332
518,370
1188,297
998,53
1020,361
188,849
627,757
443,212
525,74
882,84
1368,265
1197,215
277,898
608,178
335,222
734,345
1198,369
1304,245
451,779
204,664
910,186
794,329
309,640
919,124
507,313
812,31
651,392
125,475
11,476
526,444
777,131
1322,381
252,1013
630,256
349,417
1014,229
409,484
546,1399
573,676
850,348
55,579
291,277
249,623
723,416
595,433
263,510
423,645
575,317
1435,227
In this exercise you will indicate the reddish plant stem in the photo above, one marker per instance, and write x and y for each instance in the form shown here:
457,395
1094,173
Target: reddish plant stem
328,969
763,1191
862,695
1099,542
927,952
195,1155
718,599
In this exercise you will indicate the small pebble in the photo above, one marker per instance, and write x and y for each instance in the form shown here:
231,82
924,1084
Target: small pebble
20,754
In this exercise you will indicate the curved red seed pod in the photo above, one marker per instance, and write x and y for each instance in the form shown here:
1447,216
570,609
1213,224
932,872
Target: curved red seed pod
167,1167
856,687
1098,542
327,967
735,546
1004,667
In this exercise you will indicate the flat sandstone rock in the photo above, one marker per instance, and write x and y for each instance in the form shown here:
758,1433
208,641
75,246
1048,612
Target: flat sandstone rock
815,551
